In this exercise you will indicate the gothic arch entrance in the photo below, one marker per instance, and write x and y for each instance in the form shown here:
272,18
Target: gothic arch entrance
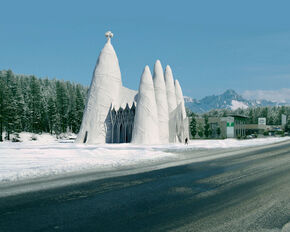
128,133
115,134
122,121
122,134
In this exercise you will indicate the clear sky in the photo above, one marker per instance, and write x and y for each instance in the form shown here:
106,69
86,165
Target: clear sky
211,45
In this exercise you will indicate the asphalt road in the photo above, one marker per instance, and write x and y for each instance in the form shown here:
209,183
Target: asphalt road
245,192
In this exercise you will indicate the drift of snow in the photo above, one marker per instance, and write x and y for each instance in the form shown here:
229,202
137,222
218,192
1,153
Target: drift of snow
22,161
48,157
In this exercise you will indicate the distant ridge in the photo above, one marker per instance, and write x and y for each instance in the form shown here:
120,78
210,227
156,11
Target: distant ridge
230,99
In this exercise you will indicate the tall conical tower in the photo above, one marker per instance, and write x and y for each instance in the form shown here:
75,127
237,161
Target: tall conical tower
104,89
181,119
146,129
171,99
161,102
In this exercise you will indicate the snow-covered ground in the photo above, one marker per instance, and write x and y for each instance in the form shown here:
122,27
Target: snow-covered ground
48,156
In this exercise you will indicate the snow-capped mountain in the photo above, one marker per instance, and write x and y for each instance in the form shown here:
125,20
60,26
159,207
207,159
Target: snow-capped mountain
188,99
228,100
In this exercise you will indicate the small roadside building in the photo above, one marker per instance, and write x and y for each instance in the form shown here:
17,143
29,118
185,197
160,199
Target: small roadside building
231,126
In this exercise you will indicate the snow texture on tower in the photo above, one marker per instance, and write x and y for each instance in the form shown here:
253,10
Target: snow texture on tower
161,102
104,89
181,119
110,113
146,129
171,100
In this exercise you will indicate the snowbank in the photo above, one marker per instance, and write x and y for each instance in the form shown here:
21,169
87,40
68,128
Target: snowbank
44,138
46,156
229,143
27,160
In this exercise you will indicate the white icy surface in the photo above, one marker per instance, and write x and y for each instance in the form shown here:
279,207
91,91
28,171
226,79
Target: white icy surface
181,119
127,96
145,130
104,89
237,104
171,100
179,98
161,102
47,157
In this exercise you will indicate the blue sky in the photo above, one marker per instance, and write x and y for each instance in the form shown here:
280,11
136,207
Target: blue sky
210,45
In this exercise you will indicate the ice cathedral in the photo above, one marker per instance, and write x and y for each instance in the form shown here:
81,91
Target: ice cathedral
115,114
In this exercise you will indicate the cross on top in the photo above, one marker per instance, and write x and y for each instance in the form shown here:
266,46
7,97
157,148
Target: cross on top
109,35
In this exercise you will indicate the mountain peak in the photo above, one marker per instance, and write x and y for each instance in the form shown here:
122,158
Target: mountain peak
230,99
230,92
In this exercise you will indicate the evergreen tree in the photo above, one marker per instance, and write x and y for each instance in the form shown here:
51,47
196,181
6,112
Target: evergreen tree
224,113
287,126
17,104
79,108
35,105
270,120
72,124
3,104
44,124
192,126
264,113
251,116
10,115
200,130
62,105
206,127
52,115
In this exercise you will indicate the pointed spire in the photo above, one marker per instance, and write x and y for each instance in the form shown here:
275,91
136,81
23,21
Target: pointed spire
170,89
179,98
181,119
171,99
104,89
161,101
145,130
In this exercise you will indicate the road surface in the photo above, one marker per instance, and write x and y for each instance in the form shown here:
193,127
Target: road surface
245,192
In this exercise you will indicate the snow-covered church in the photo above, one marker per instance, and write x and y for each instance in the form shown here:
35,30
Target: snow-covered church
115,114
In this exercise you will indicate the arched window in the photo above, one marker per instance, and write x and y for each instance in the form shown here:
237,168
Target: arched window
122,134
128,133
115,134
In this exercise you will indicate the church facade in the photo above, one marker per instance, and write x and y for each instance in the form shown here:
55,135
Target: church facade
115,114
122,122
